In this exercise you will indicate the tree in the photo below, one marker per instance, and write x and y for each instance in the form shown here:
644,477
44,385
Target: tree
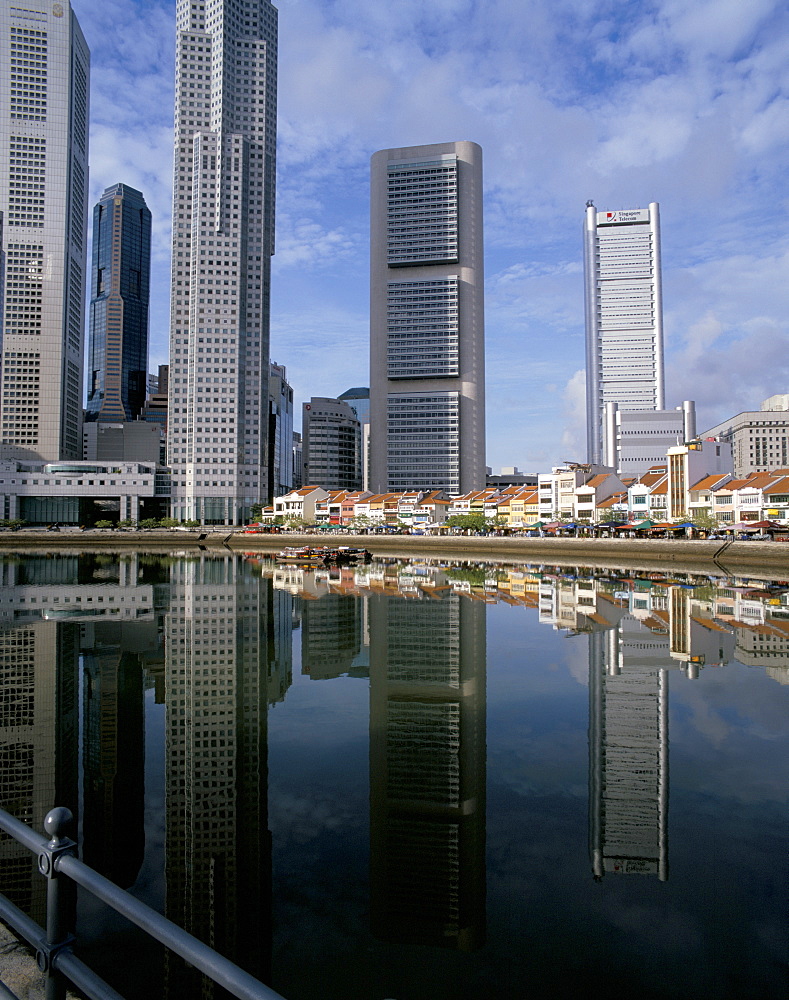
703,519
470,522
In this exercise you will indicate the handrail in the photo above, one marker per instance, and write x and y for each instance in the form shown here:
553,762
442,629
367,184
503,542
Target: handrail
56,858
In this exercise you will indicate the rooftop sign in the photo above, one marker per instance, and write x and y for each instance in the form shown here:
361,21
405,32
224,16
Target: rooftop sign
623,217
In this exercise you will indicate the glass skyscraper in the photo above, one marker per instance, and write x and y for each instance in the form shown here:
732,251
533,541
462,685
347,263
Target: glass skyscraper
223,239
427,327
43,199
119,294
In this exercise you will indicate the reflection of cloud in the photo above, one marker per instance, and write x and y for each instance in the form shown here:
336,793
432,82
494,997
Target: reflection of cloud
304,819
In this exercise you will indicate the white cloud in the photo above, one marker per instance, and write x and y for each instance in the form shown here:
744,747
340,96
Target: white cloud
679,102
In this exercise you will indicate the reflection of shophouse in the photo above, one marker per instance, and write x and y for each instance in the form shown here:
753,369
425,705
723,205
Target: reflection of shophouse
427,770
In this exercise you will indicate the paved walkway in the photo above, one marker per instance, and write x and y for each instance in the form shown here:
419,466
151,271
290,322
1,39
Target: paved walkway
18,969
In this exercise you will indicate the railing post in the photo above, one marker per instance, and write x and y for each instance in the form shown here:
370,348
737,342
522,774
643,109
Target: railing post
60,899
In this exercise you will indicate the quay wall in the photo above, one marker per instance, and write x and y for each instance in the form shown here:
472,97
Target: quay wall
762,559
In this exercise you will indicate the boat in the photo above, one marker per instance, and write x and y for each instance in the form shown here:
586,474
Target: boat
307,555
303,555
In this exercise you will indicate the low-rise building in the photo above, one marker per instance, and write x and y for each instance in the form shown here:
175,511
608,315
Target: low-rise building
299,503
759,439
81,493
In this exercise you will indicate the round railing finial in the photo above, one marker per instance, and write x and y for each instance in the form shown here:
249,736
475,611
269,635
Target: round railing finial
57,822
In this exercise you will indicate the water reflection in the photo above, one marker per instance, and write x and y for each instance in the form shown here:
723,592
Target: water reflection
212,639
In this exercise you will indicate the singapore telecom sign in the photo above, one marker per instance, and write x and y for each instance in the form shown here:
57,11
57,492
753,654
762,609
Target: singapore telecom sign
623,217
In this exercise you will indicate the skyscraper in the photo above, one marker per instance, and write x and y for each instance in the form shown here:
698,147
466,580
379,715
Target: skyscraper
624,316
332,444
43,199
119,294
223,239
427,375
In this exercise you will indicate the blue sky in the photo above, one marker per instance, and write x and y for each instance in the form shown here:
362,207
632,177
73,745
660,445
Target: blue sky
684,102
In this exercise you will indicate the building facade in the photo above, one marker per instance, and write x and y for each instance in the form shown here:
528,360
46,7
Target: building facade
624,316
119,297
223,239
331,444
427,378
759,439
280,431
43,199
635,440
358,398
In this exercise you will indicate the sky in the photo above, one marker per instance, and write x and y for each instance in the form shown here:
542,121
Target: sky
683,102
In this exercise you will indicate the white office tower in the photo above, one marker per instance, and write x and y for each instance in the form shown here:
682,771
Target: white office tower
624,315
43,200
427,337
223,239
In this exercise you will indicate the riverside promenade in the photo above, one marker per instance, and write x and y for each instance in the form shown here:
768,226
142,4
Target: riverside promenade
763,560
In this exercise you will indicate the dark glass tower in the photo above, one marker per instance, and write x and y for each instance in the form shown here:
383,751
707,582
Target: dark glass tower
120,287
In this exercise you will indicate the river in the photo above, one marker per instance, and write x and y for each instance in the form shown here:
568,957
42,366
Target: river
411,780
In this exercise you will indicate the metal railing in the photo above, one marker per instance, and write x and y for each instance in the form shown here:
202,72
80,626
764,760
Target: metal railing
59,865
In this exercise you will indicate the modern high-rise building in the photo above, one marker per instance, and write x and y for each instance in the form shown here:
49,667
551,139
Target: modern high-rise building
358,398
280,432
427,327
43,200
624,316
119,296
332,445
223,239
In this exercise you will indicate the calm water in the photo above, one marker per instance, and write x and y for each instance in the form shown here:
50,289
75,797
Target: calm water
409,781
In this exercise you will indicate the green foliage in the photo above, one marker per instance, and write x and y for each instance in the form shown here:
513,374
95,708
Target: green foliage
103,524
256,512
169,522
149,522
127,523
703,519
191,524
470,522
12,522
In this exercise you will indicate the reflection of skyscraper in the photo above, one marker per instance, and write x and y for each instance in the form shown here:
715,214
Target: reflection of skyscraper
330,635
427,770
38,742
114,778
628,750
217,839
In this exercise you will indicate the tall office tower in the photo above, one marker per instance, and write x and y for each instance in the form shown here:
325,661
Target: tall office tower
332,445
223,239
358,398
43,198
624,316
427,327
119,294
280,432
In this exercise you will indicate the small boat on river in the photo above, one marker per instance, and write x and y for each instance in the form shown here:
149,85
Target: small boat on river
307,555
